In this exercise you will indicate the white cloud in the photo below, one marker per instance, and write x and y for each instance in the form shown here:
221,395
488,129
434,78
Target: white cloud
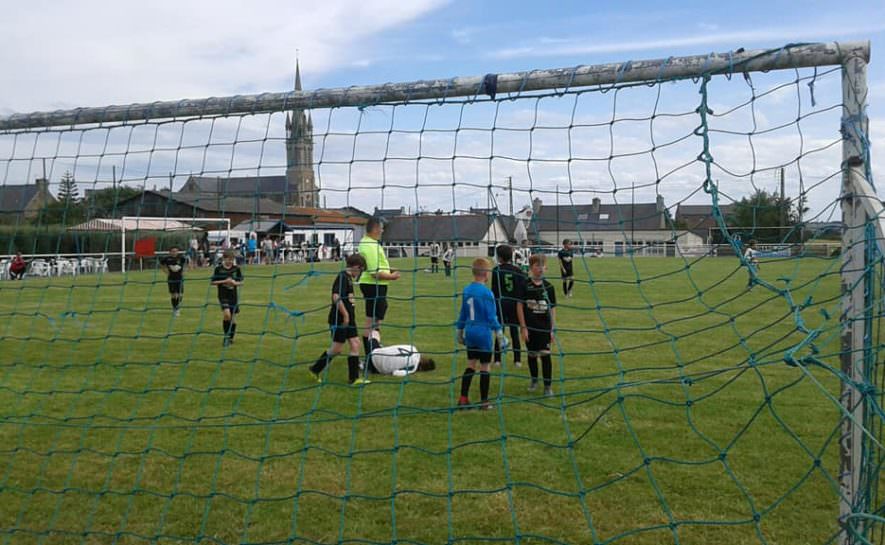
95,52
557,47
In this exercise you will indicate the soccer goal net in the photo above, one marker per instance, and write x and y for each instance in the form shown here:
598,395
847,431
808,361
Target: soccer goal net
695,251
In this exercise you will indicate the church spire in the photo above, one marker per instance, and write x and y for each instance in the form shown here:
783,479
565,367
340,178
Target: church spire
297,73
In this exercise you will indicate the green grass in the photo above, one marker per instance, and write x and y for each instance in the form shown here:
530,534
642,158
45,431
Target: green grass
675,416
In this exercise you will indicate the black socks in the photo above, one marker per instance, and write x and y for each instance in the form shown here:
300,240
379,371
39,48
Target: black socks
465,381
484,381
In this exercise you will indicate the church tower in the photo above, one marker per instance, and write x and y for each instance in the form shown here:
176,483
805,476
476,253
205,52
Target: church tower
302,189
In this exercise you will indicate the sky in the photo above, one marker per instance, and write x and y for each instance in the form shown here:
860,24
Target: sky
56,55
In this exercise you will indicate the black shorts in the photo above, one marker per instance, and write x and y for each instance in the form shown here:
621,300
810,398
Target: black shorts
567,274
539,341
434,260
507,315
481,355
230,304
376,300
175,286
341,333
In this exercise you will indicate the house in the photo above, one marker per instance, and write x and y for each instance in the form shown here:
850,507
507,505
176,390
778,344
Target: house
275,188
388,213
167,204
698,219
614,228
24,201
514,226
472,235
348,235
263,228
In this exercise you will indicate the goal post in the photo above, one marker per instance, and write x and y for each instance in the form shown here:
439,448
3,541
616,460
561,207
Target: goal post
848,353
143,223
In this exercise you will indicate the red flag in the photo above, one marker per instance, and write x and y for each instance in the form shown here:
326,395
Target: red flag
145,247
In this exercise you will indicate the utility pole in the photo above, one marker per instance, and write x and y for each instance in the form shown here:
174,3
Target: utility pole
558,242
784,208
801,208
632,214
510,191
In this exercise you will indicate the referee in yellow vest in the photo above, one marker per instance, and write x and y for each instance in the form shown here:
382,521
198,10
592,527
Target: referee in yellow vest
374,281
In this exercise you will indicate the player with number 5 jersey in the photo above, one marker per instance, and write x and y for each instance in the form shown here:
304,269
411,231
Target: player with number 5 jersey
508,286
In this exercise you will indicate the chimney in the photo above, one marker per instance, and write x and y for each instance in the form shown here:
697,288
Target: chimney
596,203
42,185
662,212
536,205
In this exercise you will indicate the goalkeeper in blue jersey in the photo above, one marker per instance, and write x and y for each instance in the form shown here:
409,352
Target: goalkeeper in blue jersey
477,323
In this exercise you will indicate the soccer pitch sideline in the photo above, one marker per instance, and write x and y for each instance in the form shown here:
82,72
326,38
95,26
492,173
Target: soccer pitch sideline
674,419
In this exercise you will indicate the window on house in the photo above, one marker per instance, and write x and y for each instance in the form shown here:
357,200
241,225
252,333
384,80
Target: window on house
603,216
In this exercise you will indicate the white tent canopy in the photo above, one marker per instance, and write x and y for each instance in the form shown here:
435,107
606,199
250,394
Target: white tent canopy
134,224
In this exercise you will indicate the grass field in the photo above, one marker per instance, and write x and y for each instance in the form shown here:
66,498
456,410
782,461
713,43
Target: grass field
675,418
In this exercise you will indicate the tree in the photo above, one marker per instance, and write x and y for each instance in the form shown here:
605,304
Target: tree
67,189
765,217
103,203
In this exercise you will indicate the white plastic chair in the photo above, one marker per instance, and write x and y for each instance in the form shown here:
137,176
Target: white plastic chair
86,265
39,267
4,269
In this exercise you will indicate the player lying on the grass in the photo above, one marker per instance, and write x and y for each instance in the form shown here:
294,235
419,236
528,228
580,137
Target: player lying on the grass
228,277
342,323
174,264
399,360
540,321
477,323
508,285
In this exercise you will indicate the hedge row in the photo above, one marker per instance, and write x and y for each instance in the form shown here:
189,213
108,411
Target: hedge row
55,239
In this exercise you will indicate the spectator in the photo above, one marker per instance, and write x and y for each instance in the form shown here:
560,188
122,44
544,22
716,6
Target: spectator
17,267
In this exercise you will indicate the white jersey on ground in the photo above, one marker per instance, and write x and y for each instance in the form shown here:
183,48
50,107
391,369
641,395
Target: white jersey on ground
398,360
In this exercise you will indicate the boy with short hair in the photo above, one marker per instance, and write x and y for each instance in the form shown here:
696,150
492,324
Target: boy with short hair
434,257
174,265
752,258
342,322
508,287
566,270
448,257
477,322
540,322
228,277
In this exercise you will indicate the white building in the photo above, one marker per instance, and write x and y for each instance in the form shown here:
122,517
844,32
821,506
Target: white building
615,229
472,235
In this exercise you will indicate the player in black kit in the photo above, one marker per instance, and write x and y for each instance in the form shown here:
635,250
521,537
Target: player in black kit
540,321
174,264
565,267
508,285
342,323
228,277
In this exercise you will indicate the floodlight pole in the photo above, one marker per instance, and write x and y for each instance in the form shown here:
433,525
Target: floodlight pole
856,289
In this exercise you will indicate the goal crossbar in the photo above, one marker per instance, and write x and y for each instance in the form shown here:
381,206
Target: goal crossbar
782,58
